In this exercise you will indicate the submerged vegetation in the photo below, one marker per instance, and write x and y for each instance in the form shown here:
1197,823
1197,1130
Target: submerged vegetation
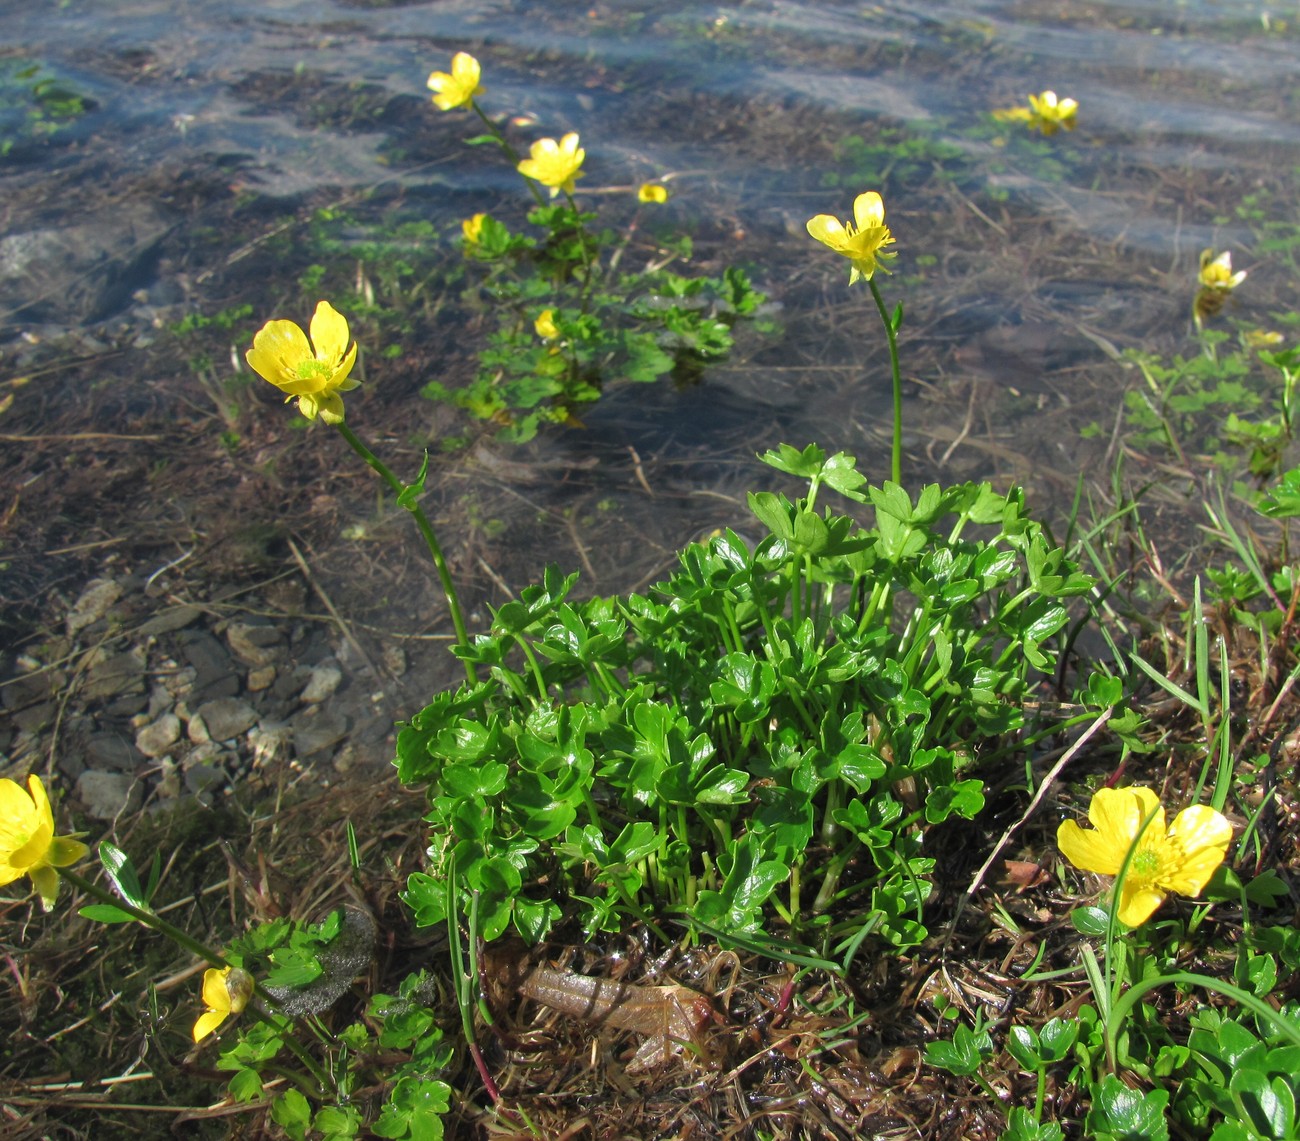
778,817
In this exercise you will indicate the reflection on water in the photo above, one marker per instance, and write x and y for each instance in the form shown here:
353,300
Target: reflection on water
215,133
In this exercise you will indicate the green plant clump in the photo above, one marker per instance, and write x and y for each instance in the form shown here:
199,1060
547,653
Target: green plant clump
757,746
566,326
34,104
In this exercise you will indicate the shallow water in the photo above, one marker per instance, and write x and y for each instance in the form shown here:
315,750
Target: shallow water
1025,263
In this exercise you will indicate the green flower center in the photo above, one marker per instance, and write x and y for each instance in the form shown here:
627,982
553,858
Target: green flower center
314,370
1144,865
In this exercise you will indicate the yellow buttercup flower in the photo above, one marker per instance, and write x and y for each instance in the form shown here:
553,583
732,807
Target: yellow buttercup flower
1264,339
1180,859
281,354
652,192
554,164
1050,113
1216,272
545,325
1045,113
28,845
861,240
472,228
458,88
225,992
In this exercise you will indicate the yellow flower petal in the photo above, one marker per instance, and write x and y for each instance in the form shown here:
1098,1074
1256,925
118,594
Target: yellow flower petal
1045,113
277,349
216,995
207,1023
1118,814
829,231
1203,835
1137,903
1087,850
868,210
329,335
226,991
652,192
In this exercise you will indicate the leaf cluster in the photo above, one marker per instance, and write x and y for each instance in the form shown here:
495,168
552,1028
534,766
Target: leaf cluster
759,743
610,326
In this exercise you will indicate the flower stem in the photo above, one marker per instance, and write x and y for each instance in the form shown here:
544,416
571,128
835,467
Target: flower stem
148,918
896,465
510,152
430,539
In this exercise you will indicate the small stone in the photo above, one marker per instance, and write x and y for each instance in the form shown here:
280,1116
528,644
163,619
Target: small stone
180,683
169,780
160,701
325,679
202,779
255,644
316,729
95,600
110,750
394,660
226,718
345,760
270,741
202,753
34,686
155,739
197,731
263,677
112,675
125,707
35,717
214,670
108,795
169,620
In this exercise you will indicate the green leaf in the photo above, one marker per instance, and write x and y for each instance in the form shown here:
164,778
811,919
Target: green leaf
1022,1045
338,1122
1056,1039
1269,1104
842,474
121,871
1119,1113
1267,889
749,881
806,463
245,1085
1021,1126
964,1055
965,798
774,511
292,1113
409,496
105,913
414,1109
1093,921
